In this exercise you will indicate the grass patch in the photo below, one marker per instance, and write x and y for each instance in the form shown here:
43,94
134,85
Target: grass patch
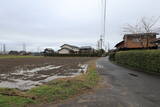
51,92
14,101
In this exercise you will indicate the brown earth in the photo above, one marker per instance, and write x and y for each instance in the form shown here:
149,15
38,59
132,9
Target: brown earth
68,64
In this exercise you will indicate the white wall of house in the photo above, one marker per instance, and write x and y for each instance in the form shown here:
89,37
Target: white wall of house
71,48
64,51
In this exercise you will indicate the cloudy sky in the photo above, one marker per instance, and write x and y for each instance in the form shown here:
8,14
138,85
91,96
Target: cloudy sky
51,23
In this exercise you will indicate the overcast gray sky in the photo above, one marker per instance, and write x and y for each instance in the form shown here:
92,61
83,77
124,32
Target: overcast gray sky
51,23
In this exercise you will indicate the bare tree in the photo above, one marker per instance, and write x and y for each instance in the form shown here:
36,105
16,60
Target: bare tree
150,25
145,25
132,28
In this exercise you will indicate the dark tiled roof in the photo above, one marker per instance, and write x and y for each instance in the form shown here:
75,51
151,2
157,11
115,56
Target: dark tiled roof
119,43
66,49
70,46
86,47
142,34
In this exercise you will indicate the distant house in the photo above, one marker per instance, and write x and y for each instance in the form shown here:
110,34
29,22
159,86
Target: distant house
22,53
68,49
137,41
65,51
48,51
86,50
13,53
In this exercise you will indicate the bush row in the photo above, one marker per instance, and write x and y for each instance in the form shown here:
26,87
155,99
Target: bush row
147,60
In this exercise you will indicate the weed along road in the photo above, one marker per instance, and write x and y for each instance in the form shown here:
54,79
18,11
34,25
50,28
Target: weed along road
121,87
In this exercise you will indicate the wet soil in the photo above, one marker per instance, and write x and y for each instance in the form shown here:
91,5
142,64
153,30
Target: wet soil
37,69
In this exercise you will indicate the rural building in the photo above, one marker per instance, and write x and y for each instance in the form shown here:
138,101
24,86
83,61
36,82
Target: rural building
137,41
68,49
13,53
65,51
86,50
22,53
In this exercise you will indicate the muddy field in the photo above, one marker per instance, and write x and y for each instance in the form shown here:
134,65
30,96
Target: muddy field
26,73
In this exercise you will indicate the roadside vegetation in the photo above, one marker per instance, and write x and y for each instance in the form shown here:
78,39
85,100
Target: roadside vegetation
145,60
53,91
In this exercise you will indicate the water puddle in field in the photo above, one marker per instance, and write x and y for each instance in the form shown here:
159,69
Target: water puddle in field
46,68
27,79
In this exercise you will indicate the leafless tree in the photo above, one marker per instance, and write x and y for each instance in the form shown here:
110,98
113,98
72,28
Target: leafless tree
132,28
145,25
150,25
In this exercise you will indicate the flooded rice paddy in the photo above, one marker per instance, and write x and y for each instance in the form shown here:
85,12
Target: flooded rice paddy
27,73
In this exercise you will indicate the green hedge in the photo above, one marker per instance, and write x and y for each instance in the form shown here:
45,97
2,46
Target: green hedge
147,60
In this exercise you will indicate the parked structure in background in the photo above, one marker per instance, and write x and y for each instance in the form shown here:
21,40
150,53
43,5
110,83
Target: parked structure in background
137,41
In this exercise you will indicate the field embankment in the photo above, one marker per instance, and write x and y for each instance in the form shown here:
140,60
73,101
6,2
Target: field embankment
145,60
52,91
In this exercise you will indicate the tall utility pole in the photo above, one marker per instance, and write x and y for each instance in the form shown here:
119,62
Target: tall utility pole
1,48
101,41
24,46
4,48
102,36
104,23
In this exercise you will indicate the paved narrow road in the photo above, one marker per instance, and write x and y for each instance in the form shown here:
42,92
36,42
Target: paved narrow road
121,88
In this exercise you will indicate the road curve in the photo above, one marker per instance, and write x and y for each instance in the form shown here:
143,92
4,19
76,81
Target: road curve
121,88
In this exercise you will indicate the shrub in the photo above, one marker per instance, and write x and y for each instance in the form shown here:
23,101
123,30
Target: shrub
112,56
147,60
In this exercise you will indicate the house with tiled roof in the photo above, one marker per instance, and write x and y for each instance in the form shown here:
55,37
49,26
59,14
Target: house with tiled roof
137,41
69,49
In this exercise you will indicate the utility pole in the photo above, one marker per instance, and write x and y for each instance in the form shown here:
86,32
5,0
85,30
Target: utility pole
24,47
102,36
1,48
108,47
104,24
4,48
101,41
